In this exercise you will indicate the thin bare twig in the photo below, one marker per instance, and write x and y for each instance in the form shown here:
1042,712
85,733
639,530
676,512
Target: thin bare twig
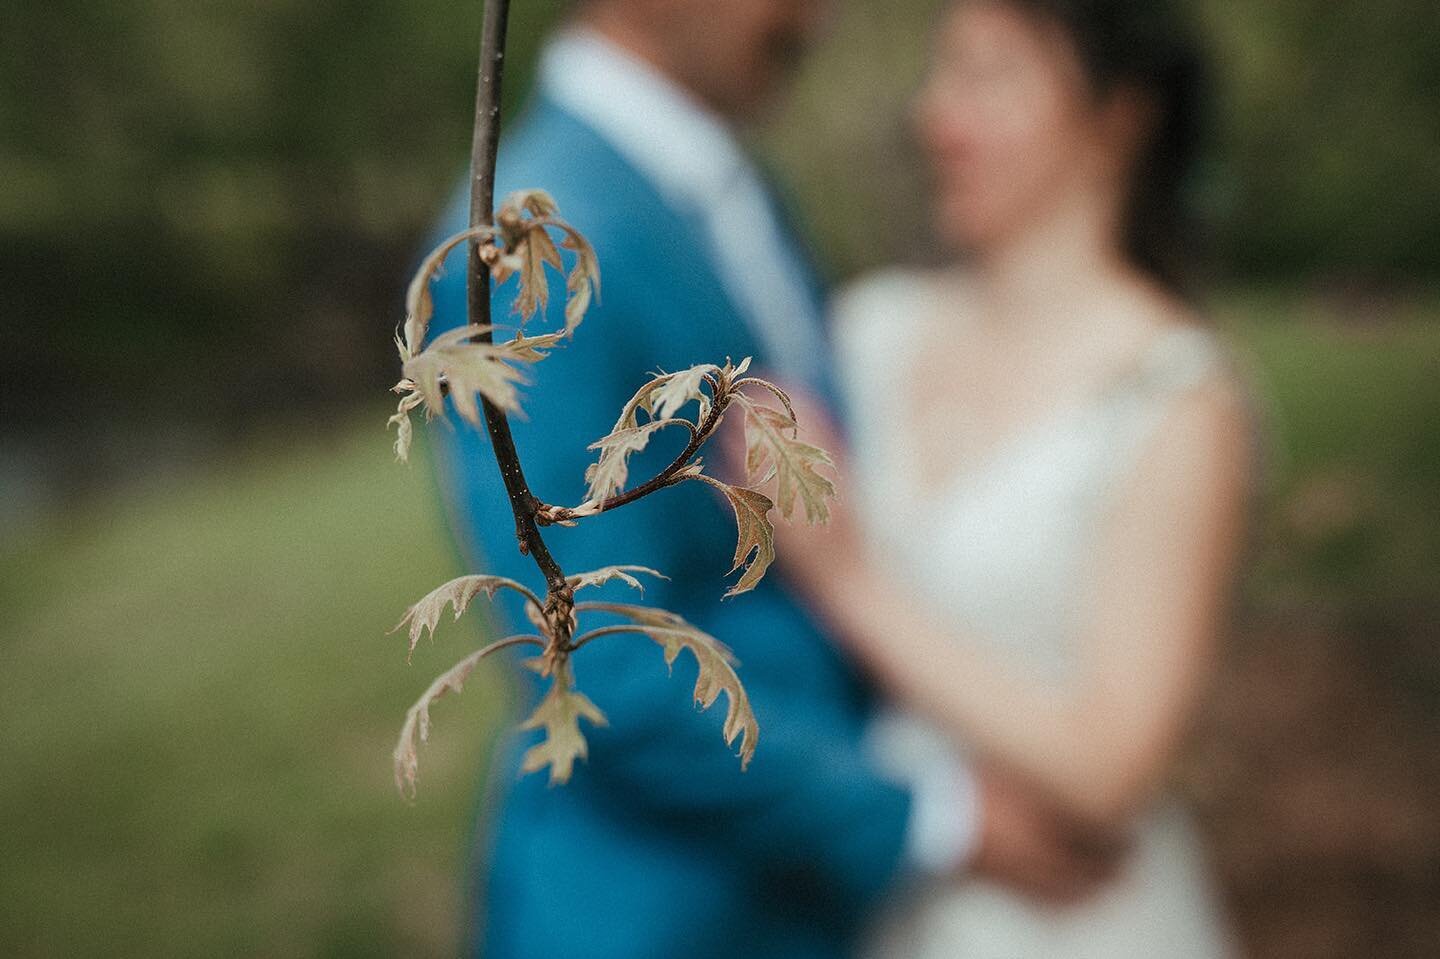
483,150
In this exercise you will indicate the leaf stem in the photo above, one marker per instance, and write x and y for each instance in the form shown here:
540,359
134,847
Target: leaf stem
509,641
581,640
665,478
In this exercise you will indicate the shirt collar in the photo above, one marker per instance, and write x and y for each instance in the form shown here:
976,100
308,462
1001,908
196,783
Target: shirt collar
685,149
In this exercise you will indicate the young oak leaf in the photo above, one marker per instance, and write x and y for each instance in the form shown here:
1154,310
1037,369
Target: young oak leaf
772,440
514,220
458,593
521,223
645,397
531,349
467,367
416,729
729,375
410,398
673,390
524,219
511,214
419,304
755,534
534,251
600,577
717,668
607,475
525,349
661,396
559,714
583,283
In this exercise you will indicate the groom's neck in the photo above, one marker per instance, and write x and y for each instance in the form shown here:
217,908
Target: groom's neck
618,25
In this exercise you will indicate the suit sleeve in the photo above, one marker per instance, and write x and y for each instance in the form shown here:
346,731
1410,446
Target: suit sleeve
809,799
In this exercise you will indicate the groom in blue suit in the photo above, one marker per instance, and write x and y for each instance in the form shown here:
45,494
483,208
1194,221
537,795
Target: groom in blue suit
660,846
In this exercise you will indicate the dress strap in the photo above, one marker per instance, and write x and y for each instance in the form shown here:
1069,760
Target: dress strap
1178,360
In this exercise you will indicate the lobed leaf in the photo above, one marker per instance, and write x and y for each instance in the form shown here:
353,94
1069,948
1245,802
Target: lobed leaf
729,375
523,220
773,448
671,391
534,251
755,534
559,714
457,593
532,349
717,668
607,475
468,367
416,729
410,398
510,216
600,577
661,396
583,283
419,304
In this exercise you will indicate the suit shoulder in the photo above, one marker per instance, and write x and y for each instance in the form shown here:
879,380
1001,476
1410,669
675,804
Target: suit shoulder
552,149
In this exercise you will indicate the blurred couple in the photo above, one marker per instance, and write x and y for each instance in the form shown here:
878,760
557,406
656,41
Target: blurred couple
973,683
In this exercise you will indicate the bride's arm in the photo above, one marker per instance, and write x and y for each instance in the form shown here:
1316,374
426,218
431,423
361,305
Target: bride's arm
1098,744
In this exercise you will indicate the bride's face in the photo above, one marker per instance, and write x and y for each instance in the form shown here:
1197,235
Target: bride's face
1007,121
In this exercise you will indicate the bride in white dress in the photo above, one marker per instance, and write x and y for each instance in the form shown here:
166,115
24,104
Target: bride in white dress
1048,473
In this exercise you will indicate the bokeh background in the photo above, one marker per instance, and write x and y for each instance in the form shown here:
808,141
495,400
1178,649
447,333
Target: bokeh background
207,216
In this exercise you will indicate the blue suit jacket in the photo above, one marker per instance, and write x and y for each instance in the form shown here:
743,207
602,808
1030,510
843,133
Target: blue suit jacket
659,846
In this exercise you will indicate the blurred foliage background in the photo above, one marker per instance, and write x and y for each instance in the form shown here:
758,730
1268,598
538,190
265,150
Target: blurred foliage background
207,216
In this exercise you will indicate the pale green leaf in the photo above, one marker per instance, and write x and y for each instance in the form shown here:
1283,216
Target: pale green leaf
583,283
467,367
559,714
607,475
535,250
717,668
773,447
410,398
674,390
419,304
600,577
416,729
457,593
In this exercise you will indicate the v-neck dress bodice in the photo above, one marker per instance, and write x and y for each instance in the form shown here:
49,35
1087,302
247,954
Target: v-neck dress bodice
1009,541
1007,538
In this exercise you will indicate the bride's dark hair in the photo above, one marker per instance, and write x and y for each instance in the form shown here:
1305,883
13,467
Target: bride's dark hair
1151,48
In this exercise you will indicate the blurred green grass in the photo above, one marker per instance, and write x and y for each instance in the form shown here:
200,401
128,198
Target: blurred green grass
198,701
198,697
1351,395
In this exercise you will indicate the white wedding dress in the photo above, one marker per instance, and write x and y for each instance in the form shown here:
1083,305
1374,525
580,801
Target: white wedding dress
1006,544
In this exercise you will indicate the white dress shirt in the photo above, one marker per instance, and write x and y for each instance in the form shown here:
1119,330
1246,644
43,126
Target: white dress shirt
696,163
